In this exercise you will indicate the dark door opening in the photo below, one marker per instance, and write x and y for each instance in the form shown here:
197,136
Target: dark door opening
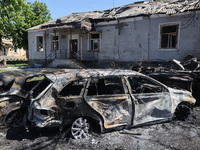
73,49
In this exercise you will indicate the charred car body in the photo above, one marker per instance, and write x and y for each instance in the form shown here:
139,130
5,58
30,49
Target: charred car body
103,99
14,94
175,74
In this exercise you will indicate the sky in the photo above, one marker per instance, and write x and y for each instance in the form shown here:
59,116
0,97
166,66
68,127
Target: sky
60,8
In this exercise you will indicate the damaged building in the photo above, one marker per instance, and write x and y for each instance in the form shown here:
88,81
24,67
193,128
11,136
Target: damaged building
158,29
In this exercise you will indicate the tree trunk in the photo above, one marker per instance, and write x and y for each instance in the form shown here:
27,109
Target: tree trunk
4,62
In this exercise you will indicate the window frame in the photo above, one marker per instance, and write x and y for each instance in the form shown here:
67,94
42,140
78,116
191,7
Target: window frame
4,51
37,48
123,89
177,36
94,39
81,92
163,87
15,50
52,41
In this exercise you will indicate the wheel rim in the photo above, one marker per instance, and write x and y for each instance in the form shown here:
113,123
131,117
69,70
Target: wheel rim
80,128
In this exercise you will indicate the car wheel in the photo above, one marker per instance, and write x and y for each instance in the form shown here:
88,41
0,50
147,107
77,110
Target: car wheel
80,128
183,112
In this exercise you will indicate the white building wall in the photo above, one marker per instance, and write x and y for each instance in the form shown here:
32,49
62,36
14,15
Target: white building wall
33,53
188,37
130,43
137,40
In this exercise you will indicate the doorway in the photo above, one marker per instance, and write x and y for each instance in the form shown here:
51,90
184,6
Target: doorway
73,49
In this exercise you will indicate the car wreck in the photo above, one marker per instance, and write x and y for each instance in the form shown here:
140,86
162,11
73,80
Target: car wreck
103,100
175,74
15,87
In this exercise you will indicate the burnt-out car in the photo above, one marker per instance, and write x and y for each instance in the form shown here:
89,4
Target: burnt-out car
104,100
15,87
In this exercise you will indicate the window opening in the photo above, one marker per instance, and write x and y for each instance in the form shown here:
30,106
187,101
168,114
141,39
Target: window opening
55,43
4,51
37,84
73,89
142,85
94,41
104,86
169,36
31,82
15,50
39,43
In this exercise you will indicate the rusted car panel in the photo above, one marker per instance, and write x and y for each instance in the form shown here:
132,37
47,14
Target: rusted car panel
112,98
115,110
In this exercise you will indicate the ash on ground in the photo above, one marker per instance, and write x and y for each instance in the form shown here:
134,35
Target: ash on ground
174,135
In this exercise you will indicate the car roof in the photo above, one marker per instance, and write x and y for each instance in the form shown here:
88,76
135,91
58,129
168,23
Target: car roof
86,73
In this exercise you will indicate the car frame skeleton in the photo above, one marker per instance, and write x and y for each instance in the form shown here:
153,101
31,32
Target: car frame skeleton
103,99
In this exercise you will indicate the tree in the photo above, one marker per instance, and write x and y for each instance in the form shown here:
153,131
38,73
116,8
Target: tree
16,16
41,13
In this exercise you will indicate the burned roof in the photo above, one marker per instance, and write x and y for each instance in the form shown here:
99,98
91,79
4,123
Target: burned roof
83,20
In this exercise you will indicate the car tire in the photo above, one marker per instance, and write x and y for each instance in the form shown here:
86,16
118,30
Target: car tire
183,112
81,128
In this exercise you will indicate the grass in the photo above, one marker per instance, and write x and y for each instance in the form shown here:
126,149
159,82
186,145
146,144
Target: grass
3,70
17,64
13,64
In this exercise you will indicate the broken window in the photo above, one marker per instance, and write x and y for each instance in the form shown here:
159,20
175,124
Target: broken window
31,82
169,36
55,43
36,84
103,86
94,41
74,88
143,85
39,43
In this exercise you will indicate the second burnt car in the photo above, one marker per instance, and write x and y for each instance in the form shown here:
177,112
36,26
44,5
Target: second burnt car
104,100
15,87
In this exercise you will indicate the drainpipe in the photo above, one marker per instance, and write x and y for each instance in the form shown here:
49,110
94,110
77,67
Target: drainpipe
118,23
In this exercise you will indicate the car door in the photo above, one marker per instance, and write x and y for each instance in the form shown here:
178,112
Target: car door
109,97
70,99
152,100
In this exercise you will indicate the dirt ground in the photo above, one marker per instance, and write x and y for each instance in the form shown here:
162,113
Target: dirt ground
175,135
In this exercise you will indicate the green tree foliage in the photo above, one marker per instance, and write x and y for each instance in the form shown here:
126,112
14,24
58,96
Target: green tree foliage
16,16
41,13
